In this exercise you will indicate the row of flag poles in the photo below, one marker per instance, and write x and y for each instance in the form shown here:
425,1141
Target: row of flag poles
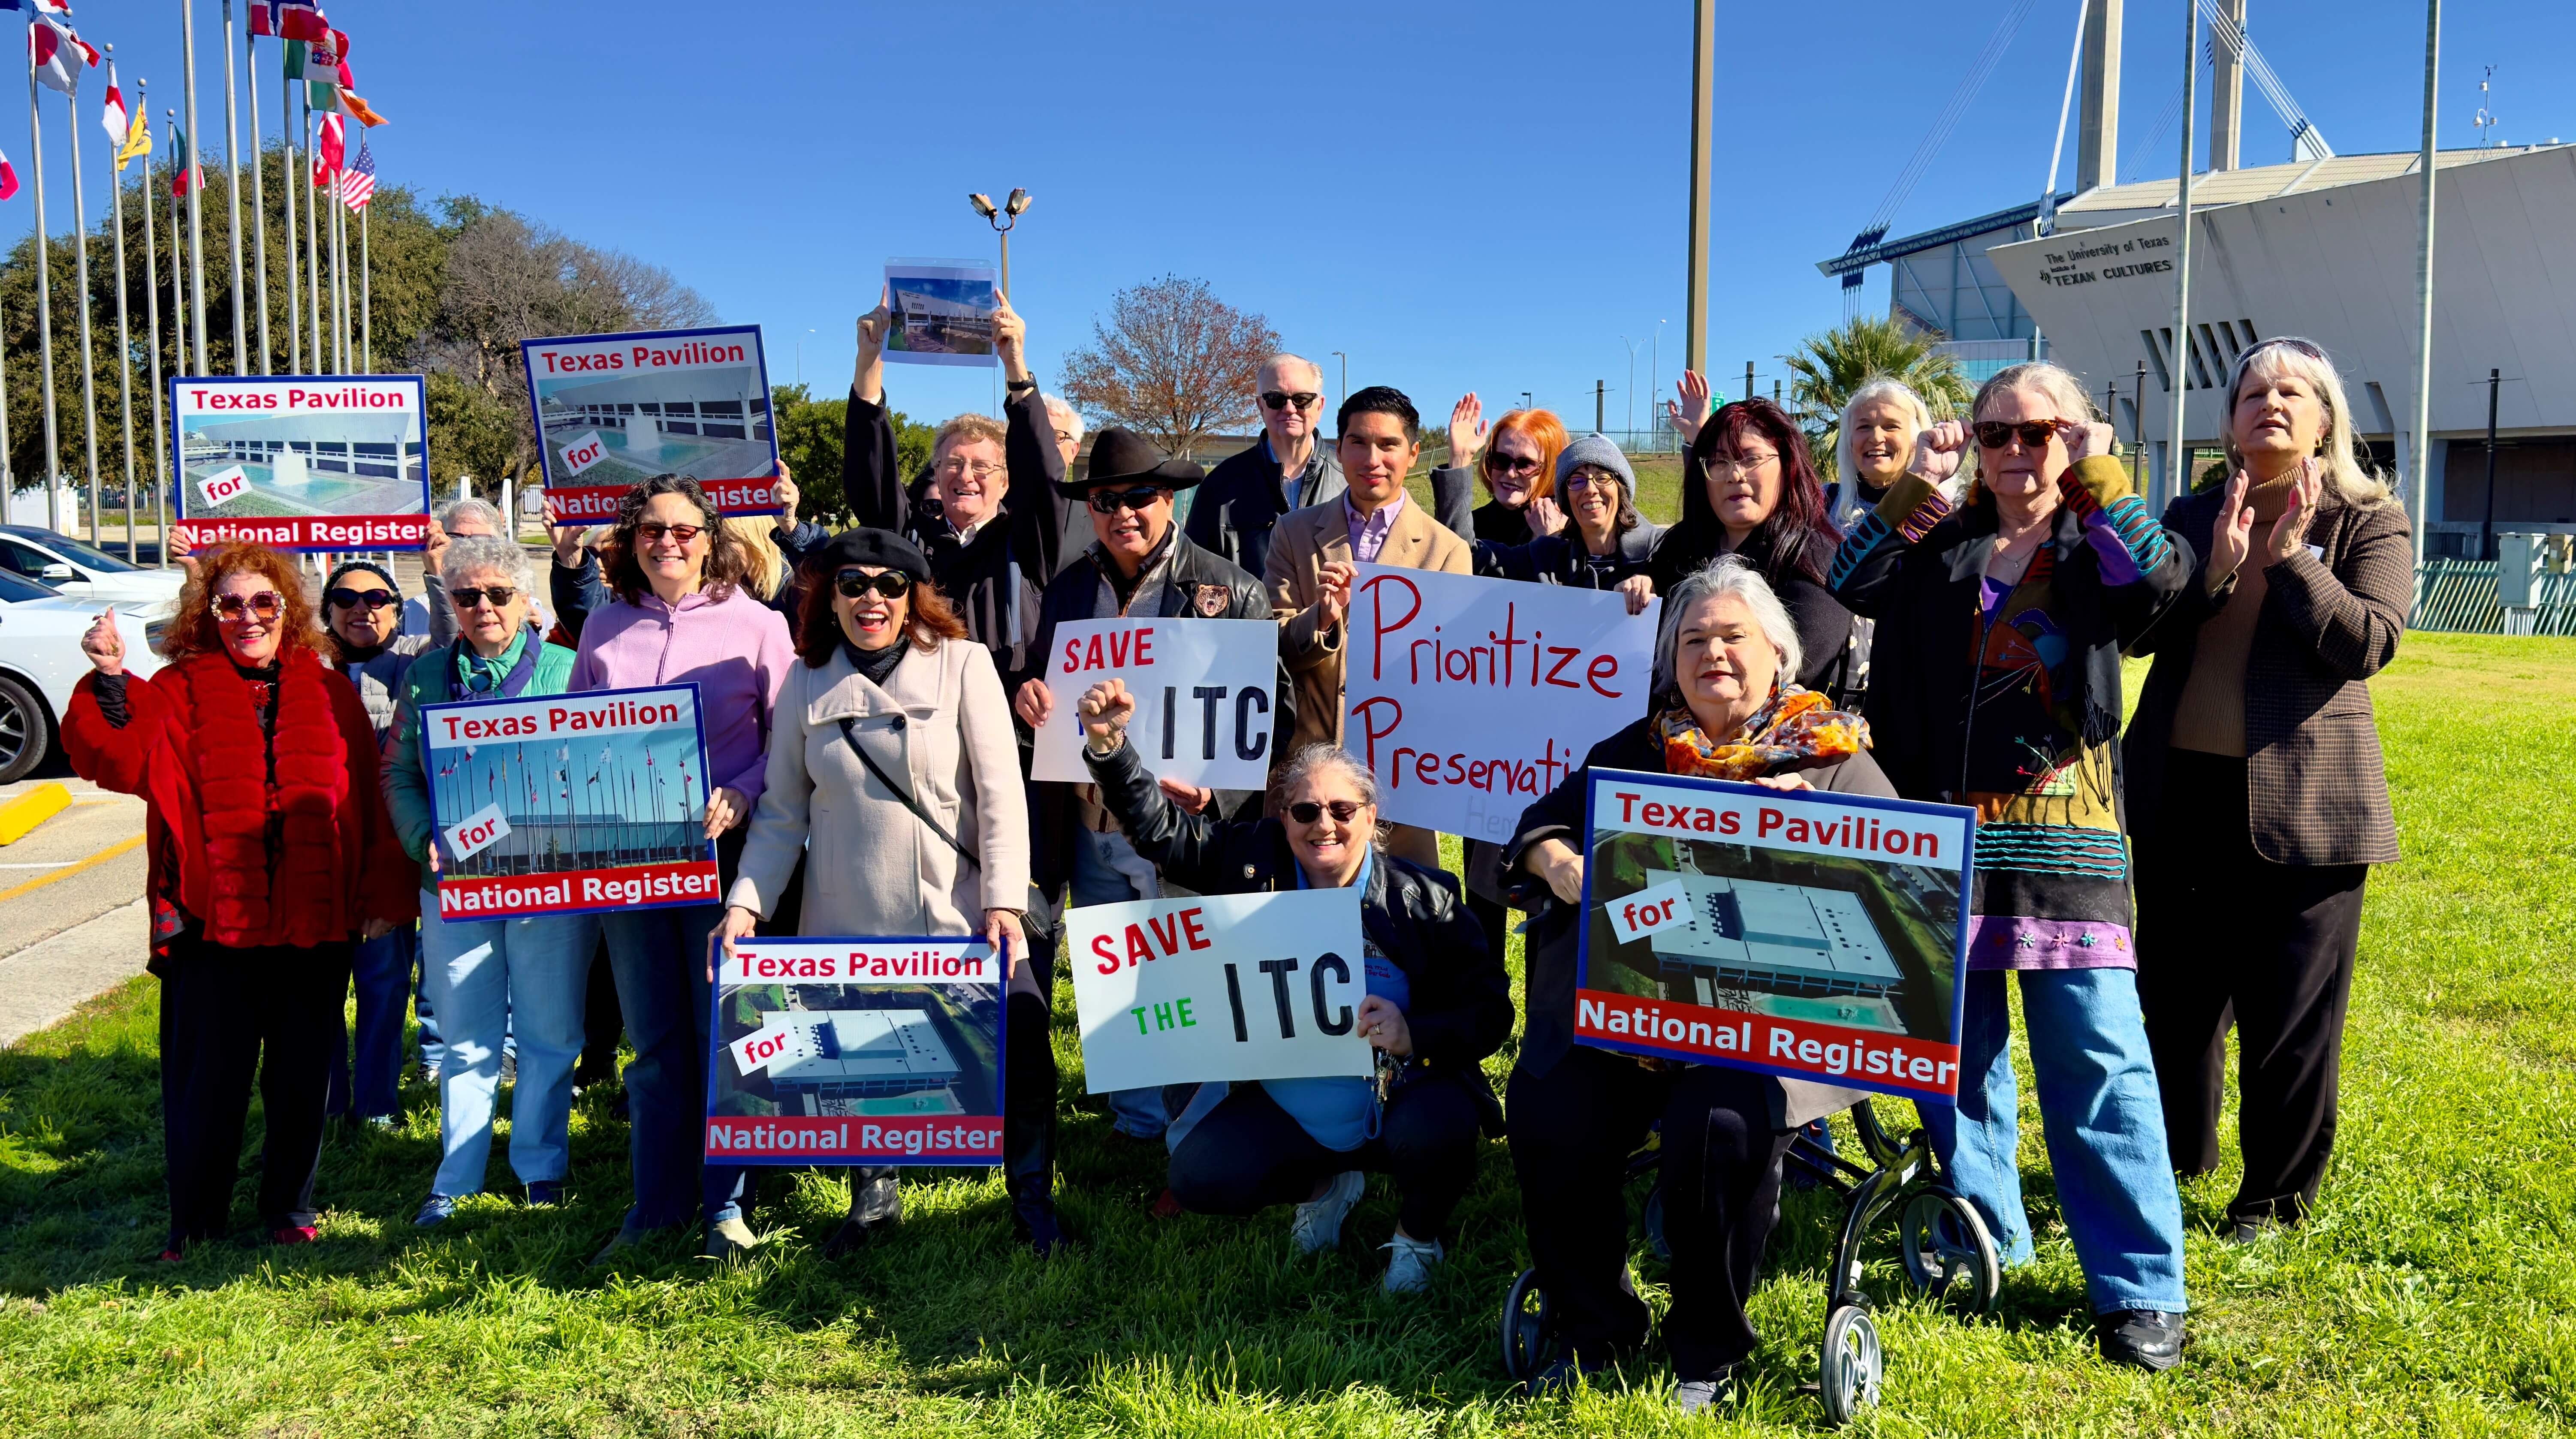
320,315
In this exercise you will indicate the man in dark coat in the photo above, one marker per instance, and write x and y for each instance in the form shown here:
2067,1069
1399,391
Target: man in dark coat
1288,468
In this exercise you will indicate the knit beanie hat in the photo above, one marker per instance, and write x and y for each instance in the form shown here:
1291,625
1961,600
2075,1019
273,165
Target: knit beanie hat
1596,450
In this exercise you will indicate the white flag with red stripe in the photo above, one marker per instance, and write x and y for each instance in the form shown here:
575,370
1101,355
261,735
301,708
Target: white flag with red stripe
113,117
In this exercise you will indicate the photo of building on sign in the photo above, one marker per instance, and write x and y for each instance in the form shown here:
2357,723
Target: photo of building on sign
876,1051
626,798
710,423
1834,939
943,314
265,466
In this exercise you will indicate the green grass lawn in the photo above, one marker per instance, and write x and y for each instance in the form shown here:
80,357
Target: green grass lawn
2434,1292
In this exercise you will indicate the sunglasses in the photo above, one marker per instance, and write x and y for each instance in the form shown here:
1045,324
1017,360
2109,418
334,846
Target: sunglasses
1284,400
1110,502
472,598
652,533
893,584
349,599
266,605
1993,434
1307,811
1497,463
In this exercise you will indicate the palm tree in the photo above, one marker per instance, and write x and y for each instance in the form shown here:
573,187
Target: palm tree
1831,366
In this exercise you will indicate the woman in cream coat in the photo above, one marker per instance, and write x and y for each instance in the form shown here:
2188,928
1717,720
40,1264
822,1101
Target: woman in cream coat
892,690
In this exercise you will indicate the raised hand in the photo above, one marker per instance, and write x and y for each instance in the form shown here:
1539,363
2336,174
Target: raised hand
2085,439
1333,594
104,644
1010,339
787,494
1545,516
2230,535
867,375
1034,704
1466,429
567,537
1105,709
2290,532
433,547
1937,452
1692,410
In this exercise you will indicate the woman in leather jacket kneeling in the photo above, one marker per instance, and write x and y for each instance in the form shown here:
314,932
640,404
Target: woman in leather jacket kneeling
1438,1003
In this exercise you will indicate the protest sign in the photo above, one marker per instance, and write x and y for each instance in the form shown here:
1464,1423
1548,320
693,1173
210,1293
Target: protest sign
566,803
1220,986
1470,698
857,1051
301,462
942,313
615,409
1800,933
1203,697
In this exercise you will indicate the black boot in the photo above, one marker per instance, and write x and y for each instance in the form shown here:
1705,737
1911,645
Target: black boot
875,1204
1028,1125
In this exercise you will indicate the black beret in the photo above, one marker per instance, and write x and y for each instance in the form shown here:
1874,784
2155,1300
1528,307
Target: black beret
883,549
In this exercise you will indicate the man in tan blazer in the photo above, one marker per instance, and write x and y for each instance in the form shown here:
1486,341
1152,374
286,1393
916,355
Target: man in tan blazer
1315,554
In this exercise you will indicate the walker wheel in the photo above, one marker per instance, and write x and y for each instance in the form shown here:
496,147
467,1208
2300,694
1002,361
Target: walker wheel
1948,1253
1851,1365
1526,1346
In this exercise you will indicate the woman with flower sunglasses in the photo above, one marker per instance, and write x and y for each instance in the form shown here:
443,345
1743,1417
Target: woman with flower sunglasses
270,855
2012,596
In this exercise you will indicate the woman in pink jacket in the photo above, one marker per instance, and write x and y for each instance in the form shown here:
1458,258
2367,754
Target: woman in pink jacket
681,616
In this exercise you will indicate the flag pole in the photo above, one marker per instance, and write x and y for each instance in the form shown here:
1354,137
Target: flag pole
340,263
258,196
196,211
286,184
366,296
152,323
44,304
232,197
124,331
313,236
89,355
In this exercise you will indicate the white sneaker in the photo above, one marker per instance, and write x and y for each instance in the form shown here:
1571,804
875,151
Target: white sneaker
1408,1270
1318,1225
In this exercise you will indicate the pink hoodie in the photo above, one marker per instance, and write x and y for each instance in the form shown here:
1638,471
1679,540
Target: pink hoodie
736,650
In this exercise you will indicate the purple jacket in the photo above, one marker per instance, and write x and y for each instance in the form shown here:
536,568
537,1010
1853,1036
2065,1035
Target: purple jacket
736,650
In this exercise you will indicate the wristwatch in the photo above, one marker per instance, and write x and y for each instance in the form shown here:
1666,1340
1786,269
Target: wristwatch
1017,386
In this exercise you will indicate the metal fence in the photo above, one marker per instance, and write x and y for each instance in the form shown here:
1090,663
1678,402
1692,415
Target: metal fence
2460,596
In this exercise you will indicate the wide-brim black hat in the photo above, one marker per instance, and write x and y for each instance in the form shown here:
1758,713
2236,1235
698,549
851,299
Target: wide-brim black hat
1123,457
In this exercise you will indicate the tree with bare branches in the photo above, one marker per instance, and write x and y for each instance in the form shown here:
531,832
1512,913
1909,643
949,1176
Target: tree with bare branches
1174,363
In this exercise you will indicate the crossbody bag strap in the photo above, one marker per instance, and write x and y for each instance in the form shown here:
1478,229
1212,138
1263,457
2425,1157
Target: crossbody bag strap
849,736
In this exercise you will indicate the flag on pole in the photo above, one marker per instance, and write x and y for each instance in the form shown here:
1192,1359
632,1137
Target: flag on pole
265,18
8,178
356,109
324,70
184,174
301,20
293,53
59,53
41,7
113,116
138,141
358,186
329,151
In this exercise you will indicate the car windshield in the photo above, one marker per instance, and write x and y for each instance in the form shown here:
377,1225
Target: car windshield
81,554
14,588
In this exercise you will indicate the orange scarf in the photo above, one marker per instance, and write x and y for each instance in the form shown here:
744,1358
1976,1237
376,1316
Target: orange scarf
1797,726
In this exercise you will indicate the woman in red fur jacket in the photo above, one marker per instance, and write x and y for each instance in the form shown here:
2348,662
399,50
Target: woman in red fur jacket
270,855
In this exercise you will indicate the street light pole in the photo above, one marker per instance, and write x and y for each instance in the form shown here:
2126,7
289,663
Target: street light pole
1002,217
1703,140
1346,379
1632,387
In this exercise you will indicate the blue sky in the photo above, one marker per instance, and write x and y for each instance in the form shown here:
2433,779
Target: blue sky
1458,196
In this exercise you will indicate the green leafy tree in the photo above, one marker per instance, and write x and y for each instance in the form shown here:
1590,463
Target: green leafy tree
1830,367
810,435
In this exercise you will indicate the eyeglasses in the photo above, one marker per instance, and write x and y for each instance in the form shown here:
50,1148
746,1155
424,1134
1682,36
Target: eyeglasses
1498,463
1743,464
265,606
1140,497
1994,434
472,598
1586,480
893,584
349,599
1307,811
980,470
1285,399
652,534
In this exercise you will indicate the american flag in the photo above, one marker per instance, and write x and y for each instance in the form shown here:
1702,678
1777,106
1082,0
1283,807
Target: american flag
358,182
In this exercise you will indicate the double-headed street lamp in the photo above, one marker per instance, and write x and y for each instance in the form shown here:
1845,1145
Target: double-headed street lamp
1003,217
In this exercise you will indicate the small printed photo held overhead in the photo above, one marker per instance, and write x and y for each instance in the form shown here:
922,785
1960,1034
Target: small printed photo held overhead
301,462
942,310
861,1050
613,410
567,804
1800,933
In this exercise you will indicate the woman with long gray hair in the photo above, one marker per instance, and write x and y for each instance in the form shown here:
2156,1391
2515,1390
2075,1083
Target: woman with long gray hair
2012,594
2257,795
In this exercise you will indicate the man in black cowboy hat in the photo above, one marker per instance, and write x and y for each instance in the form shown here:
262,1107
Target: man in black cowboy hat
1139,564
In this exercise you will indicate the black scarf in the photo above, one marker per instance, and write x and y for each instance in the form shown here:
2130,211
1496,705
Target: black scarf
877,665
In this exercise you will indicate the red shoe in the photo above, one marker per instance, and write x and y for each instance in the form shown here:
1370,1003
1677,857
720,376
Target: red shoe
294,1234
1167,1207
169,1256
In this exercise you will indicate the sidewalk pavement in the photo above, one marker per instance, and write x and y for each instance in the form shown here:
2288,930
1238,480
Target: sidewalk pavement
46,981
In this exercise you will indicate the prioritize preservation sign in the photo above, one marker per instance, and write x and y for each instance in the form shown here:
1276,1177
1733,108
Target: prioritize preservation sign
1813,935
857,1051
565,803
1204,712
1220,986
301,462
1470,698
942,313
615,409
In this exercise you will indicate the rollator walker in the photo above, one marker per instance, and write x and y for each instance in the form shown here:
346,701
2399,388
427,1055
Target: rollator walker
1944,1250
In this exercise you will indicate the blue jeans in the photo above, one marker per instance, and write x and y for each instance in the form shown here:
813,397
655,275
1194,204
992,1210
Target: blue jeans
380,971
1107,870
433,1050
659,958
2104,1121
496,977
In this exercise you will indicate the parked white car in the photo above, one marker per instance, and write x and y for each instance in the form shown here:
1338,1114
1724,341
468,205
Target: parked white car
40,661
85,572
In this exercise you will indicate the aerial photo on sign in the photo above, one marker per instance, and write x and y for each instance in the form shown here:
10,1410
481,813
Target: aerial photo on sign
857,1051
616,409
943,313
1800,933
301,462
590,801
